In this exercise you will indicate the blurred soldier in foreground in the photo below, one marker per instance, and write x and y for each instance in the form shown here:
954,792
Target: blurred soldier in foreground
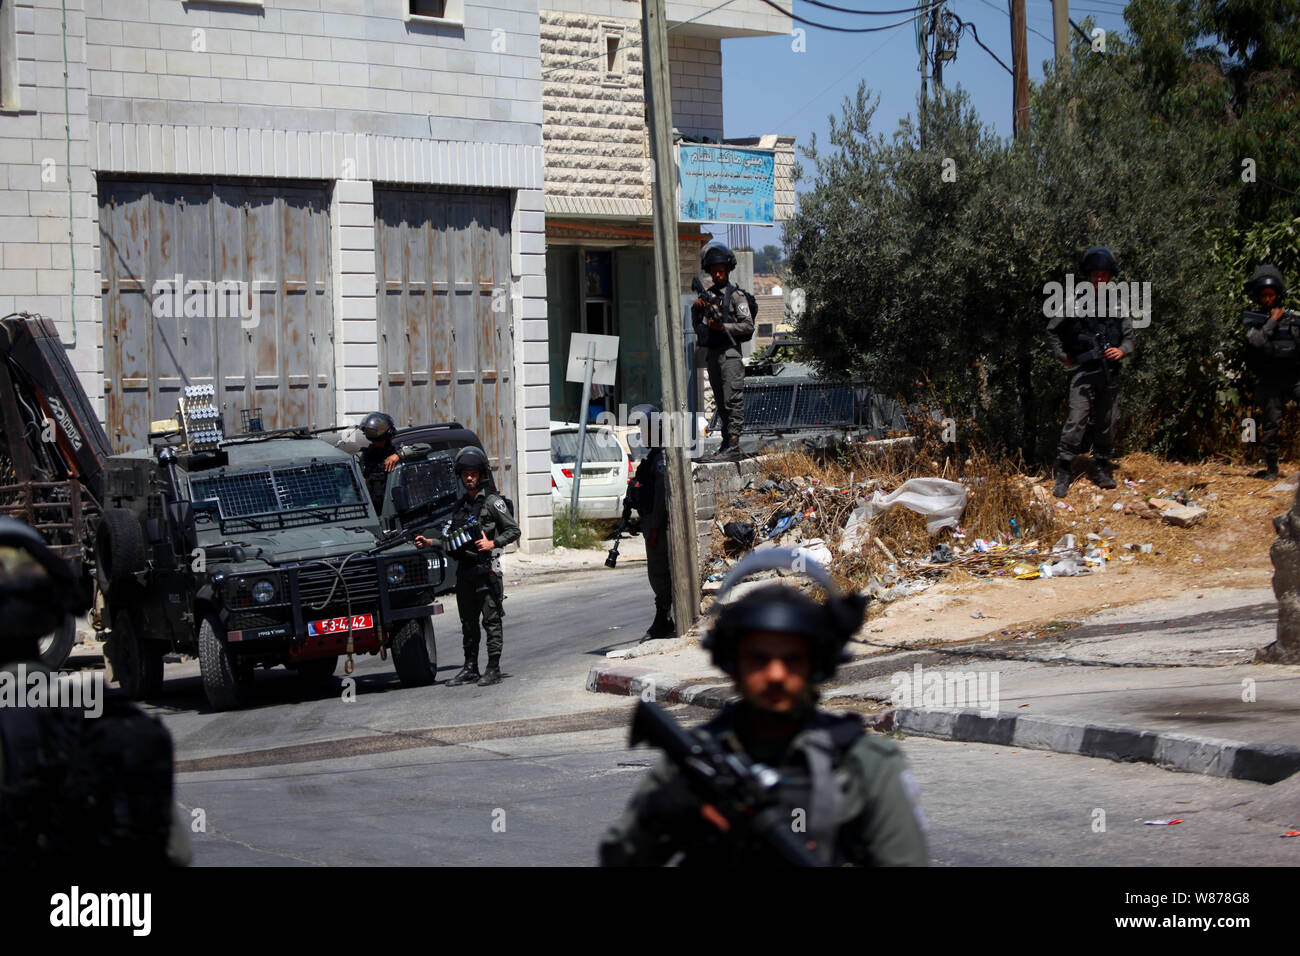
1091,343
1273,355
772,779
75,787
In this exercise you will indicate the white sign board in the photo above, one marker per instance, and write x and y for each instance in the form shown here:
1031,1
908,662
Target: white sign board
603,368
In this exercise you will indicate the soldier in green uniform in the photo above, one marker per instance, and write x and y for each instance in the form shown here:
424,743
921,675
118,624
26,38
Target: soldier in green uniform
1092,347
479,588
381,456
721,332
1274,357
848,792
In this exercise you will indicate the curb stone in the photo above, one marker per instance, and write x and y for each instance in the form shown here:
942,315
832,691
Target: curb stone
1216,757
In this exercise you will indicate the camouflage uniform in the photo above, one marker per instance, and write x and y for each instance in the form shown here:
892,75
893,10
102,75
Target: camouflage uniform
724,362
479,588
858,797
1094,382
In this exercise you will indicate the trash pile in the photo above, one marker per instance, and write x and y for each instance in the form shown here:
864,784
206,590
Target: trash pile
833,526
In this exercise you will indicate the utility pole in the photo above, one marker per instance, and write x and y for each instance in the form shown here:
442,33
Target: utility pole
1061,34
682,541
1019,68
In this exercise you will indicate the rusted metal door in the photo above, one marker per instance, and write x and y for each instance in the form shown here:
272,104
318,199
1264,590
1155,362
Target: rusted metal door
445,335
216,284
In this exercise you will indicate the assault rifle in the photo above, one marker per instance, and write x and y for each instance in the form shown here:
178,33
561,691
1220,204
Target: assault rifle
626,525
451,540
714,300
740,789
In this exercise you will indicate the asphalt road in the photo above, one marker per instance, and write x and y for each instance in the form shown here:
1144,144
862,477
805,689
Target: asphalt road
531,771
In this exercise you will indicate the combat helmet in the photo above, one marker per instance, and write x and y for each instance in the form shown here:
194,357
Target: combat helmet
779,607
1099,257
378,426
1266,277
716,253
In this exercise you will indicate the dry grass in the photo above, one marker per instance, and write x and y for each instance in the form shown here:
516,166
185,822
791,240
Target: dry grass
1234,533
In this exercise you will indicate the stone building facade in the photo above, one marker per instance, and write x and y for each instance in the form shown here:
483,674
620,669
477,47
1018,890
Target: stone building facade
600,271
370,173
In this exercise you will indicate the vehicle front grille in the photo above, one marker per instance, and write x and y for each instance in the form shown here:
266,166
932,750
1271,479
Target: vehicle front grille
316,581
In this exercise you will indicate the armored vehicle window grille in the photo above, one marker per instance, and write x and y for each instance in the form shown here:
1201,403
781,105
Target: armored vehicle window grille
433,479
823,406
294,495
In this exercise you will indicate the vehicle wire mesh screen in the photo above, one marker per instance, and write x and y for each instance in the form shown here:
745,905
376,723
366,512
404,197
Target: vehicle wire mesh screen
249,493
429,480
280,490
796,405
823,406
768,406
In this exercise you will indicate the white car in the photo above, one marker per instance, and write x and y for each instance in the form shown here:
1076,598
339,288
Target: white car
606,471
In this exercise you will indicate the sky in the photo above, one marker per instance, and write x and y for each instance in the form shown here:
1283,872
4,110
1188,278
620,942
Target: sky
768,87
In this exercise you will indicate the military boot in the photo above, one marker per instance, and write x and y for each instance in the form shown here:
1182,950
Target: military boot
1101,474
1062,487
492,675
469,673
1270,469
661,626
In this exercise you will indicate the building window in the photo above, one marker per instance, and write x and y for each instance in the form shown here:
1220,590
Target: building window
611,41
9,99
435,11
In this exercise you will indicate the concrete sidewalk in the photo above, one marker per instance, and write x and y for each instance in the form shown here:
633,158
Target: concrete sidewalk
1166,681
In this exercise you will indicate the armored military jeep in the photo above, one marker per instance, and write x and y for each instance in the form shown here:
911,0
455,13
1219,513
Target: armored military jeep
257,551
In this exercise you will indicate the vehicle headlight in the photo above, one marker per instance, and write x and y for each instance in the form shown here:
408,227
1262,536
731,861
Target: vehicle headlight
264,592
396,575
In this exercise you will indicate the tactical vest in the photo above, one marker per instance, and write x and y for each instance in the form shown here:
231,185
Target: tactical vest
1284,345
814,778
718,338
1088,338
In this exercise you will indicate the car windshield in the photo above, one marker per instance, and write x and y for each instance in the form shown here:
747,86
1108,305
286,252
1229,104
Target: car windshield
602,445
290,494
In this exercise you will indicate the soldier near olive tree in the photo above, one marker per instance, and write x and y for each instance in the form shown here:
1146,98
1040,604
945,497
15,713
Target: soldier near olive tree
786,767
721,325
1273,354
1091,341
479,587
382,455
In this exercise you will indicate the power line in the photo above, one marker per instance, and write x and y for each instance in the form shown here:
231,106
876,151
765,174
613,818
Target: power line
920,12
1008,16
865,13
975,33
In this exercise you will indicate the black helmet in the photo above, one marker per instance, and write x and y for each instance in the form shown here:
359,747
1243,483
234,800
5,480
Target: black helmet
472,458
778,607
378,426
1266,277
1099,257
716,253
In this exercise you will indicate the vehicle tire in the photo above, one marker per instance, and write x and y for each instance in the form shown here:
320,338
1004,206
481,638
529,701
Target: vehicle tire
226,680
414,658
319,670
56,647
135,662
119,548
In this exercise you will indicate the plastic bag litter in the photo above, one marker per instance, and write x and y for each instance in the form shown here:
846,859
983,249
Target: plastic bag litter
816,552
741,532
1067,542
942,501
857,532
942,555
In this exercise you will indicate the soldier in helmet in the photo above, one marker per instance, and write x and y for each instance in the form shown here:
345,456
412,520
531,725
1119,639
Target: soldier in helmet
850,790
1091,343
721,330
479,588
1274,356
382,455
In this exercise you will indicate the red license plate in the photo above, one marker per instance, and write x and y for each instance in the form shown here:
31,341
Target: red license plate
336,625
